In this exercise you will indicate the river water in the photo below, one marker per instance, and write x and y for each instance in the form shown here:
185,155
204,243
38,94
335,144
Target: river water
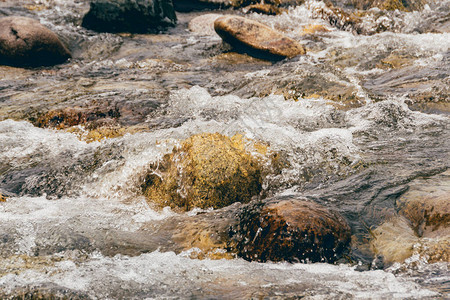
359,118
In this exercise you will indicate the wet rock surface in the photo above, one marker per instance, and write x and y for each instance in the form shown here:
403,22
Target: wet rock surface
204,24
256,39
141,16
423,224
292,230
24,42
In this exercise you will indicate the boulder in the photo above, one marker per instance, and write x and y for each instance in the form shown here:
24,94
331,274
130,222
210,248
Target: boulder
292,230
207,170
256,39
276,229
135,16
25,42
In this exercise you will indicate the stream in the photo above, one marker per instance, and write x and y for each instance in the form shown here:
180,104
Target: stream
359,119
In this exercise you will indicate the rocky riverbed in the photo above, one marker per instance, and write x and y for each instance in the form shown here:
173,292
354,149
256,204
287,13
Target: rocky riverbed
224,149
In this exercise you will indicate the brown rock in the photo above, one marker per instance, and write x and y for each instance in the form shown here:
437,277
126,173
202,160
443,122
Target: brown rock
207,170
394,240
256,39
427,205
266,9
292,230
422,226
26,42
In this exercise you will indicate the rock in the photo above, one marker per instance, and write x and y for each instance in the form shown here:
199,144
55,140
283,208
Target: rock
135,16
192,5
276,229
427,205
422,226
25,42
394,240
313,29
266,9
204,24
291,230
256,39
207,170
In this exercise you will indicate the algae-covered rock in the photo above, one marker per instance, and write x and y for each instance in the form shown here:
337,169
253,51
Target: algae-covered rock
207,170
291,230
25,42
256,39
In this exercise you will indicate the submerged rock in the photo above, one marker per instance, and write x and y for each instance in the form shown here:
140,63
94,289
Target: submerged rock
427,206
394,240
25,42
292,230
207,170
256,39
422,226
136,16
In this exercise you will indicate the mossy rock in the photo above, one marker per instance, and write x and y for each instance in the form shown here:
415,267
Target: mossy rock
207,170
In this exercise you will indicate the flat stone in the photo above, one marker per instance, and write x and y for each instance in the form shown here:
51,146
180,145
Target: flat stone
256,39
25,42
